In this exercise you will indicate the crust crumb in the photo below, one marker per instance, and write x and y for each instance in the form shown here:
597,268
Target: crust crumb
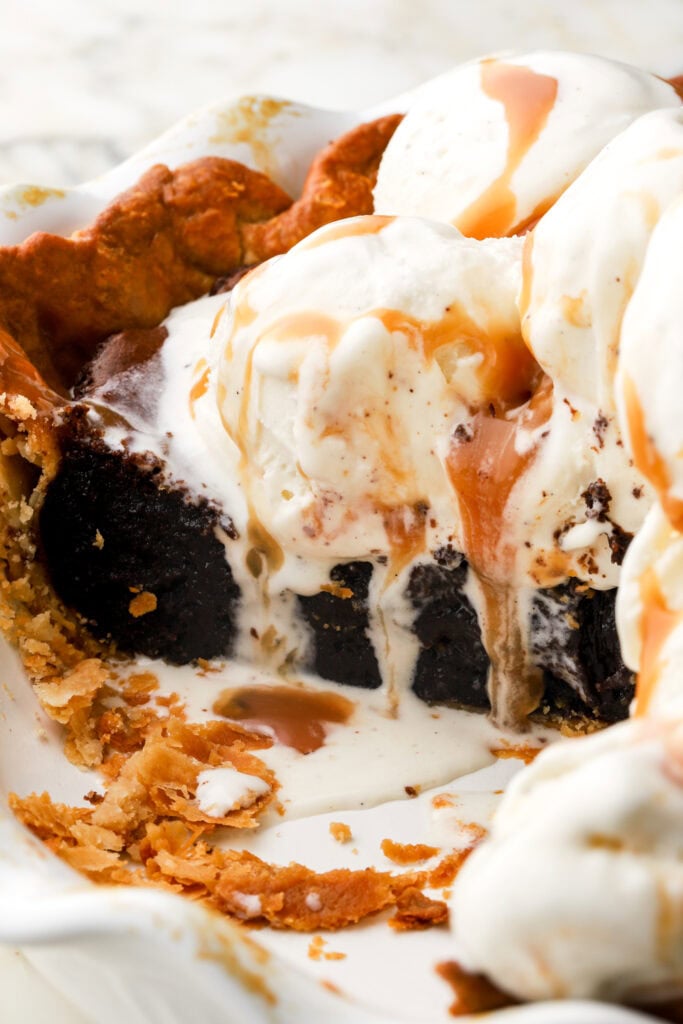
316,950
142,604
524,753
407,853
414,910
340,832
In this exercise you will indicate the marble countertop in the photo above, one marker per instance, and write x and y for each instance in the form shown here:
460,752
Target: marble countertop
84,83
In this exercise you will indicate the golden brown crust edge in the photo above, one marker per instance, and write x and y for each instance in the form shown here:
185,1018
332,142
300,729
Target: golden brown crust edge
164,242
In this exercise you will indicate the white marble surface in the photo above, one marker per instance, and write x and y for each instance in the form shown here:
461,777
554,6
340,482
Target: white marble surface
83,83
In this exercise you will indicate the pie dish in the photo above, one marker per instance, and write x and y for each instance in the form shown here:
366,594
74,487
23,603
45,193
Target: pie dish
130,551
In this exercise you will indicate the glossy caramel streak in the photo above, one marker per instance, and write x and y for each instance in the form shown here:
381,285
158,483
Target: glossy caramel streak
527,98
298,717
406,533
657,622
369,225
200,386
507,372
484,470
647,458
677,83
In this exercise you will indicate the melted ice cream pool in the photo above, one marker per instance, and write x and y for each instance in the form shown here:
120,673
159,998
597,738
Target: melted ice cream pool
409,750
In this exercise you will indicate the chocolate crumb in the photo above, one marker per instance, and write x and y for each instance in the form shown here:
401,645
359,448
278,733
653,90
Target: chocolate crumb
462,433
599,427
597,498
619,541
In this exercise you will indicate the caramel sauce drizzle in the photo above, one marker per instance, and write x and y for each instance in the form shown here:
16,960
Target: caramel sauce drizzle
484,471
506,373
507,366
657,622
368,225
298,717
200,386
263,548
647,458
527,98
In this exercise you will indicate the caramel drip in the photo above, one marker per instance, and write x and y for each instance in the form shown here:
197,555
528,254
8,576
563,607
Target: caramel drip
539,211
217,319
676,83
575,311
405,527
474,993
657,622
200,386
507,371
484,469
263,548
298,717
527,98
524,300
647,458
305,324
368,225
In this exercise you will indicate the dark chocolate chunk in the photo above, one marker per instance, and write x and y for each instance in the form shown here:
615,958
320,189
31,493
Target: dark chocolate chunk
452,666
619,541
140,561
338,618
574,640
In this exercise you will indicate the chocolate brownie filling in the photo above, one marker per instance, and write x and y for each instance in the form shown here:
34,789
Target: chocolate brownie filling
143,563
339,622
452,665
574,640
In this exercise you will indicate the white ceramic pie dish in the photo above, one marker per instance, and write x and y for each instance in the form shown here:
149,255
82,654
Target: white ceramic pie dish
145,956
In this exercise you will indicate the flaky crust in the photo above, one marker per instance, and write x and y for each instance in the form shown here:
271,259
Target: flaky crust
158,245
339,184
165,242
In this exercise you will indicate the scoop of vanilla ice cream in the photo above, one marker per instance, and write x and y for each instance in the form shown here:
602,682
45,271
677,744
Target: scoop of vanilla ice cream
650,613
650,381
584,258
345,364
491,144
578,891
581,265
